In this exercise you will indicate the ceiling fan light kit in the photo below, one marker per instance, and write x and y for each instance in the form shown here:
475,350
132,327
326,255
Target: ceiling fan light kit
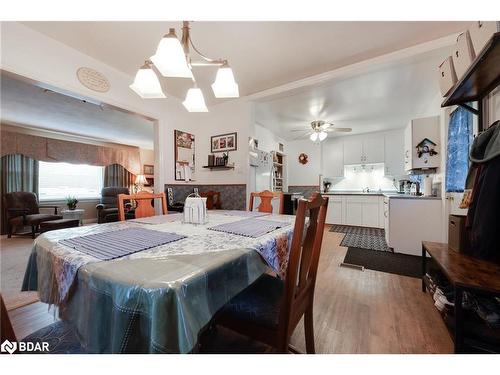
173,60
146,83
321,128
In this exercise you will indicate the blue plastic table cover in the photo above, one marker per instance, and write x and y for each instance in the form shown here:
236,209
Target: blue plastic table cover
157,300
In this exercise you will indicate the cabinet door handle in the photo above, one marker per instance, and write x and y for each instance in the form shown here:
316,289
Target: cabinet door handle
385,213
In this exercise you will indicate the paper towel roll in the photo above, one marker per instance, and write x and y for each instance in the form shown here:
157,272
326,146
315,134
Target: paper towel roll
427,186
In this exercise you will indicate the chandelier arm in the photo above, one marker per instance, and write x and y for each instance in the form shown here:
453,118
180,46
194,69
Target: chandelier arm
208,59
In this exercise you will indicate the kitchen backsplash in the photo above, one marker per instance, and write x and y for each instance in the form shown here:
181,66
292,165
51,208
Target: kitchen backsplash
357,177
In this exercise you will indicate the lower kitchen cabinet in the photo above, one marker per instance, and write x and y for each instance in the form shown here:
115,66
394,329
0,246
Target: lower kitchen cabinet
357,210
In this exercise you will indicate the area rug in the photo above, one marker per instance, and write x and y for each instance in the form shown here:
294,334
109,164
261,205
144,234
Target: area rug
362,237
14,254
399,264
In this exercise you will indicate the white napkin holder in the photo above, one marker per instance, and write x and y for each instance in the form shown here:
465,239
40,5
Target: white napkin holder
195,209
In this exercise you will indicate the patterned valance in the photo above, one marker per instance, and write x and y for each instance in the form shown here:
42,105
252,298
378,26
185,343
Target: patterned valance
56,150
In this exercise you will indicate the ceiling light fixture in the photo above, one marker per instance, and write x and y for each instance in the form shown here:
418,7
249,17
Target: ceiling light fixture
314,137
194,101
146,83
173,59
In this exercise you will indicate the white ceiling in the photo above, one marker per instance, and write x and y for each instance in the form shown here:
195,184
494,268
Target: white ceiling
262,54
381,98
28,105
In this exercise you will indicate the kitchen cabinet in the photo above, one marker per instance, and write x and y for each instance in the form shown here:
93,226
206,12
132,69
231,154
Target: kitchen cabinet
333,158
353,212
353,151
373,148
334,213
411,221
416,131
394,153
367,149
357,210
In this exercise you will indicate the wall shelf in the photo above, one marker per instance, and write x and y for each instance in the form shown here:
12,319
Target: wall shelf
481,78
219,167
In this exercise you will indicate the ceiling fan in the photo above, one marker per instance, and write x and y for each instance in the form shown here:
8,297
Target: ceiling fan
320,130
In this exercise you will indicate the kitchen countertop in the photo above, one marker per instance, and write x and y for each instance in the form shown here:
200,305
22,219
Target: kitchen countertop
388,194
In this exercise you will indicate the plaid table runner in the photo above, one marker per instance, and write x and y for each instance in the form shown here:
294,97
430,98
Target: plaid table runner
119,243
243,213
250,227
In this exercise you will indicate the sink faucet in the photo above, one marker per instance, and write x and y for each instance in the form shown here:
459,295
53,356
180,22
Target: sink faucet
366,190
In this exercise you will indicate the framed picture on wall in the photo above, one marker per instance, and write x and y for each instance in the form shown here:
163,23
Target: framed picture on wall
149,169
184,156
224,142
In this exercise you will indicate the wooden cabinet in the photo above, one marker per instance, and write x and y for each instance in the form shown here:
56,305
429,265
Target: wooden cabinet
416,131
333,159
394,153
367,149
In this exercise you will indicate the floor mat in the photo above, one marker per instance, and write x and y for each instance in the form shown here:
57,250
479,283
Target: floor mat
399,264
362,237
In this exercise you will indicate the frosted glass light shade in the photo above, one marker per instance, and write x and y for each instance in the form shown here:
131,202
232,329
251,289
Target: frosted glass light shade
194,101
170,58
225,85
146,84
313,137
322,136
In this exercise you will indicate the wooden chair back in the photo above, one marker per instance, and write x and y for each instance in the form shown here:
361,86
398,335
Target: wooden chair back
302,269
266,198
7,331
143,200
213,199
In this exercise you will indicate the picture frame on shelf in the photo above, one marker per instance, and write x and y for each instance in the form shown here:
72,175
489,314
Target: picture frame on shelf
149,169
224,142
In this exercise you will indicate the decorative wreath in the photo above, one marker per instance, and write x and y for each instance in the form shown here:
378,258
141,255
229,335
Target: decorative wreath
303,158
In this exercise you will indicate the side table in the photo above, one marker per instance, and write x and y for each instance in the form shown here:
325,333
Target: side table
74,214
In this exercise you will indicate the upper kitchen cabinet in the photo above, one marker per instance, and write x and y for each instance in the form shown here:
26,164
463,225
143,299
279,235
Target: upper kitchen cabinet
366,149
422,144
333,159
394,153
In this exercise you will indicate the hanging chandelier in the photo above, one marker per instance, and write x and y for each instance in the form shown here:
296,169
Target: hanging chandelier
173,59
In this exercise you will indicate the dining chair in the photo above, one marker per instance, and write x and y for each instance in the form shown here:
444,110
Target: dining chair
266,198
270,308
60,336
143,200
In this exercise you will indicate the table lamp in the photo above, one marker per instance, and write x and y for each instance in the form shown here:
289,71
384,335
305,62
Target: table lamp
140,181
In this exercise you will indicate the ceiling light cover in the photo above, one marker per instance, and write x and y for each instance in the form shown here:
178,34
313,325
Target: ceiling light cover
225,86
322,136
194,101
146,83
313,137
170,58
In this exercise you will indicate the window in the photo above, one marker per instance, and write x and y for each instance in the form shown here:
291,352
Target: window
459,142
58,180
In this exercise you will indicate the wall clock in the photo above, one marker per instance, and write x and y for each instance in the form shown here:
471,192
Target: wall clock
92,79
303,158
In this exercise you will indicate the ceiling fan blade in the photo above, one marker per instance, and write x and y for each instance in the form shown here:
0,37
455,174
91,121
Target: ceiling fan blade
303,136
345,130
300,130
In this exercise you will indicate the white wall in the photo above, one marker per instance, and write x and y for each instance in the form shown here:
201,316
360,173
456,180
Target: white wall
268,140
303,174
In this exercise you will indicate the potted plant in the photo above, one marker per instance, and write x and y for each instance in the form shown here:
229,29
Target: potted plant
71,202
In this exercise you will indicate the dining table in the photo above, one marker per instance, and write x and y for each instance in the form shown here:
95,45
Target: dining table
122,292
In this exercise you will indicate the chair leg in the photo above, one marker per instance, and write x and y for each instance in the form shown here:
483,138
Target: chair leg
33,231
309,330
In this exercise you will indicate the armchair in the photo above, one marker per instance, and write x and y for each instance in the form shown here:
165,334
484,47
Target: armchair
107,209
22,208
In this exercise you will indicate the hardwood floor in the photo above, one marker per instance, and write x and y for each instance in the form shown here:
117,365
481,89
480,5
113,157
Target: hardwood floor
355,311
